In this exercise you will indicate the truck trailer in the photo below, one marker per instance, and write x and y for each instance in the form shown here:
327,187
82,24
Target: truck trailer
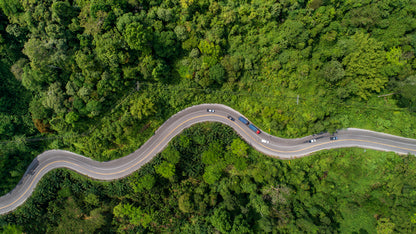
244,121
252,127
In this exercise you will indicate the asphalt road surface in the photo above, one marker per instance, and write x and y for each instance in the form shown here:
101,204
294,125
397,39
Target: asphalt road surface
263,142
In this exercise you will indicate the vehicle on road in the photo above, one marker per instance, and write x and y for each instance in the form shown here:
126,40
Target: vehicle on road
312,140
265,141
230,118
244,121
252,127
53,159
210,110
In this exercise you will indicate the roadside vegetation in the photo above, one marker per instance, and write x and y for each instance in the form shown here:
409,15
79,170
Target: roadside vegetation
98,78
222,184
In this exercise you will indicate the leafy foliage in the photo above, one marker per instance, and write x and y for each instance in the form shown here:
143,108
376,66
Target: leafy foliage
98,78
339,190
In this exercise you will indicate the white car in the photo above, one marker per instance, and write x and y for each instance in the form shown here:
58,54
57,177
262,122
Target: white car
265,141
312,140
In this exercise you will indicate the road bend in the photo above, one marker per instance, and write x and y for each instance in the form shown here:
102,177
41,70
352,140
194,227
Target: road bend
263,142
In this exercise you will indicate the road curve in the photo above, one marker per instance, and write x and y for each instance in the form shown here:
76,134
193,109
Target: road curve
267,144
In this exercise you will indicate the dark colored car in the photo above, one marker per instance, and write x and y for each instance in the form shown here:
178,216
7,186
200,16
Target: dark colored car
333,138
230,118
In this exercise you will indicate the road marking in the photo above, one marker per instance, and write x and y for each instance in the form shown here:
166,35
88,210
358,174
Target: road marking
324,143
99,173
167,135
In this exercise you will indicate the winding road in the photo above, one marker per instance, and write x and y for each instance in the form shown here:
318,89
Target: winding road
267,144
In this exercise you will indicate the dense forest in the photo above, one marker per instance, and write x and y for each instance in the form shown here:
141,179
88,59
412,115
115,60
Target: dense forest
224,185
98,77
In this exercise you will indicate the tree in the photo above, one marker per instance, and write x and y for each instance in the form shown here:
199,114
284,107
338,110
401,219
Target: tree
185,203
134,214
240,225
127,19
111,48
93,107
37,52
212,174
211,53
137,36
265,225
181,32
166,46
232,65
239,147
407,90
71,117
92,200
413,218
142,107
217,73
165,169
186,3
10,7
161,71
146,66
12,229
164,14
171,155
142,183
314,4
221,220
214,153
54,98
366,16
71,221
210,157
363,66
63,12
333,71
7,124
385,226
291,32
259,205
17,68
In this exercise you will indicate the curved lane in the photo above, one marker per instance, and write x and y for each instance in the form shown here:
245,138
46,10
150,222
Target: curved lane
265,143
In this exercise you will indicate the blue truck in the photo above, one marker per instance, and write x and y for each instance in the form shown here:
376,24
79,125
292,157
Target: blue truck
252,127
244,121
